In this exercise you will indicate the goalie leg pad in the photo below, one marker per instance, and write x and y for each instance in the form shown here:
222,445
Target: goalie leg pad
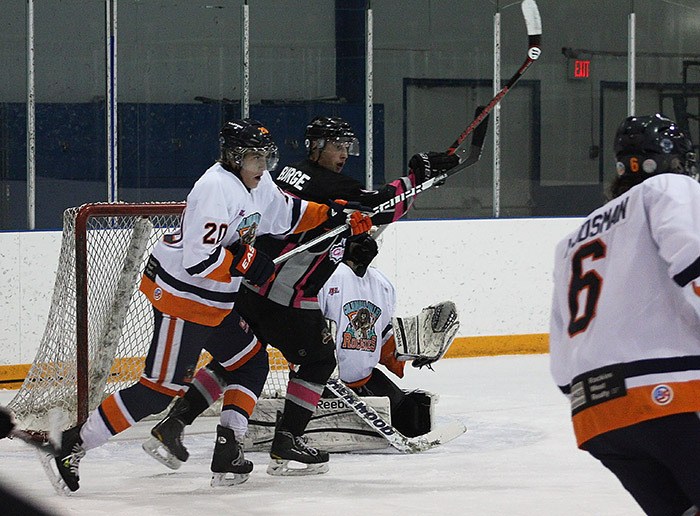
413,416
426,337
333,427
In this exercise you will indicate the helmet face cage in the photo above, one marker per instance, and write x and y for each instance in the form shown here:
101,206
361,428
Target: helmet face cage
650,145
324,130
240,137
235,155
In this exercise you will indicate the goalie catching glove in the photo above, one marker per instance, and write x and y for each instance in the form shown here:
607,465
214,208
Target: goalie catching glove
253,265
427,165
426,337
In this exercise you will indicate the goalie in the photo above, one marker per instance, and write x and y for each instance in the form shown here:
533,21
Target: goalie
360,302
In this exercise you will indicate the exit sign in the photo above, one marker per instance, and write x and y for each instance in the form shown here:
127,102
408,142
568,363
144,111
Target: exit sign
582,68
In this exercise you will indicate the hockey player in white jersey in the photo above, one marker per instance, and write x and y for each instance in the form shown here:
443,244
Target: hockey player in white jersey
191,280
361,302
625,322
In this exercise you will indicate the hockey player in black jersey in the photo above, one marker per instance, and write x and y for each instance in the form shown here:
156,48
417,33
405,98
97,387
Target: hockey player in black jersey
285,312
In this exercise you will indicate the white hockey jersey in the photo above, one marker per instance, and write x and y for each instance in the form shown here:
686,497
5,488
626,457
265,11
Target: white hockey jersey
625,322
188,274
362,309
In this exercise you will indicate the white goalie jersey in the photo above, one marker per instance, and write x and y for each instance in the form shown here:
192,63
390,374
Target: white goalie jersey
361,309
625,322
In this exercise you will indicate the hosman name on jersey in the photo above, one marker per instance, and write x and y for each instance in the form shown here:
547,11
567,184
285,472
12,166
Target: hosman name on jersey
293,177
601,223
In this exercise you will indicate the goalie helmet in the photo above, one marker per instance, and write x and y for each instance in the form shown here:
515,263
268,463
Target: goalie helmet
323,129
359,252
239,137
650,145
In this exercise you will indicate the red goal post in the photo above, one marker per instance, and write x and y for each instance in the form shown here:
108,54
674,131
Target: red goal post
99,325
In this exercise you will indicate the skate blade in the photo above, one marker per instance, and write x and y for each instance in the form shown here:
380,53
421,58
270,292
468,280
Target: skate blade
222,480
155,449
288,468
48,462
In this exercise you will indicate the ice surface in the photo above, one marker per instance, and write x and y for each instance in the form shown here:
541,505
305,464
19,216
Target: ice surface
518,457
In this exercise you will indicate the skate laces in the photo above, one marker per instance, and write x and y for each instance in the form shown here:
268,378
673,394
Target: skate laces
301,442
239,459
72,460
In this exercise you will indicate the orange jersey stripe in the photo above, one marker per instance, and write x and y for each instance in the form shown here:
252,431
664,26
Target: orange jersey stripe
161,388
168,348
222,272
636,406
314,215
114,415
240,399
238,363
359,383
180,307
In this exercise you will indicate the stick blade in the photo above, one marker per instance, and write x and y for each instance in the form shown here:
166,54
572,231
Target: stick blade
531,13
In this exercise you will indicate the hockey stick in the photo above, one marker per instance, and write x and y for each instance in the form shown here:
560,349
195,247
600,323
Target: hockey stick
36,440
533,23
399,441
477,143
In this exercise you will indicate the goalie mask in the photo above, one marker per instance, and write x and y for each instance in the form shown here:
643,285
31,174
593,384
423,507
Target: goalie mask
650,145
359,253
239,137
322,130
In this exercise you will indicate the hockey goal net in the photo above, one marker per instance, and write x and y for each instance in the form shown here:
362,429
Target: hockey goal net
99,325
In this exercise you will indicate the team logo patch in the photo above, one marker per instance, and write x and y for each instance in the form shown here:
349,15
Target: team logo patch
662,395
336,252
247,228
157,293
360,333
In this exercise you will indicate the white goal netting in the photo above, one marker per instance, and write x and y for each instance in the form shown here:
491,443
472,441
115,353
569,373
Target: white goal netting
99,325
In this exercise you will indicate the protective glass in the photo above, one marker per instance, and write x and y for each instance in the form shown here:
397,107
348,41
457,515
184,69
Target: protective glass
351,144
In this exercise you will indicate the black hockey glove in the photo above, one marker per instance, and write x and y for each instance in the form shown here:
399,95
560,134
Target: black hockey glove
253,265
6,423
427,165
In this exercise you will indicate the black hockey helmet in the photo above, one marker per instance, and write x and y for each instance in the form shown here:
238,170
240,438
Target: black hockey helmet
239,137
359,252
650,145
323,129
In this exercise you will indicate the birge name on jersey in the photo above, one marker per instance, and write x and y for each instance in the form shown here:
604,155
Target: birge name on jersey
293,177
601,222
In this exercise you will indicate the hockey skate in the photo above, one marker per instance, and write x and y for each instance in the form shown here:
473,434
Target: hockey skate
165,444
288,448
62,469
228,464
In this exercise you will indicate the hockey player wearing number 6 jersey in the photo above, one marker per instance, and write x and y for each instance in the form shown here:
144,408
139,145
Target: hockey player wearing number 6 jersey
625,322
191,279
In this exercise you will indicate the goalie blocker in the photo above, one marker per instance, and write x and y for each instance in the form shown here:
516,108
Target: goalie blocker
426,337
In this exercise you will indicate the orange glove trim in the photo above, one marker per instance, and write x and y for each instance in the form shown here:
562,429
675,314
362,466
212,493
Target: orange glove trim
359,223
